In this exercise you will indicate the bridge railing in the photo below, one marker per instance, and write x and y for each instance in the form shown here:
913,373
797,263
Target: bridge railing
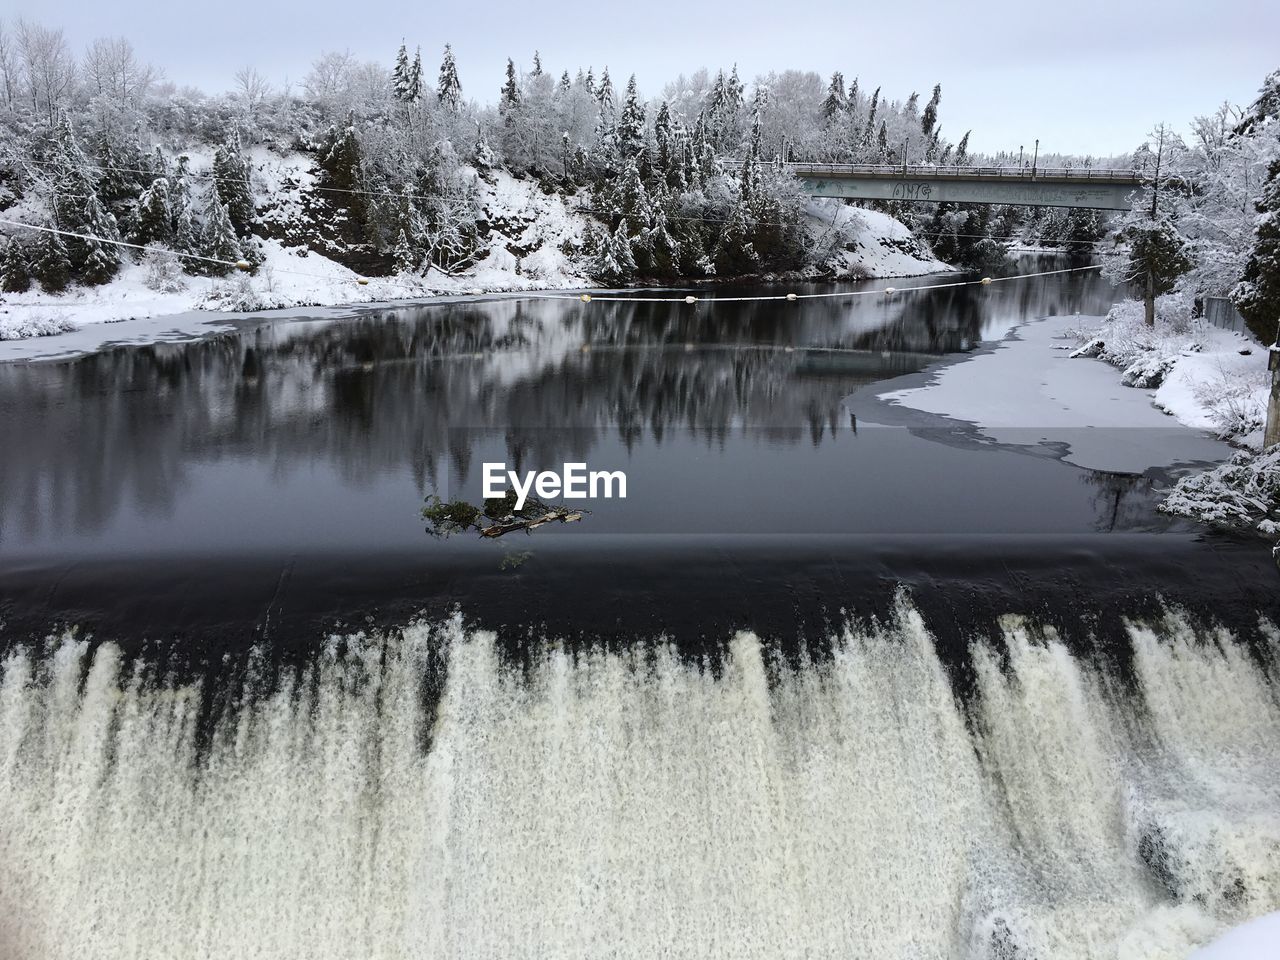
962,172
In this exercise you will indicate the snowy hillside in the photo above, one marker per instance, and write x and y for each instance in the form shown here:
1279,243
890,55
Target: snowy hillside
534,242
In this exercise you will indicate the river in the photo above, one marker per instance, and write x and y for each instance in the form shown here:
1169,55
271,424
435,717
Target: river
834,678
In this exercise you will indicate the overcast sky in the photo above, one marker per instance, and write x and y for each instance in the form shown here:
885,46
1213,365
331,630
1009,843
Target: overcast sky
1085,76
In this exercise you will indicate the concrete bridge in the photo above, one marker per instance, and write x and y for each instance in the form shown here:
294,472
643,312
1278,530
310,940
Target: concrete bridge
1027,186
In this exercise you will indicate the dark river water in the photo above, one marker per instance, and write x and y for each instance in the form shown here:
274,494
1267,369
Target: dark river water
279,471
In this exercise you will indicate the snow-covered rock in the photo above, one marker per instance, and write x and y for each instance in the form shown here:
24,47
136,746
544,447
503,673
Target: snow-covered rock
867,243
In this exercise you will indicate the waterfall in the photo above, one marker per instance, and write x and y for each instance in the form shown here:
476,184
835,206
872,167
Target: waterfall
630,803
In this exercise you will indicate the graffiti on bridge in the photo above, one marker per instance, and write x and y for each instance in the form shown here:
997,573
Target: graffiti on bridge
903,190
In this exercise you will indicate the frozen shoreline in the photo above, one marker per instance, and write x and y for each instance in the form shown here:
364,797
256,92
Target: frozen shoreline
1030,391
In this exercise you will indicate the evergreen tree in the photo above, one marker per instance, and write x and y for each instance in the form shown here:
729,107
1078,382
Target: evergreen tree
510,94
1156,255
449,89
537,64
869,131
662,249
716,98
669,162
400,76
851,104
734,91
15,272
1263,110
835,104
1258,294
606,123
882,143
218,239
598,254
1082,231
930,117
52,266
115,184
622,255
631,127
413,85
72,187
101,255
962,150
734,254
184,230
231,181
632,200
402,254
154,217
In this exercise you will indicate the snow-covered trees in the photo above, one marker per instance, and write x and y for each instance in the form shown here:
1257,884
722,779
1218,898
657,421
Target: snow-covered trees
400,75
631,126
682,184
218,239
51,266
509,96
1209,236
1154,257
101,254
835,104
15,271
154,217
448,88
231,180
1258,294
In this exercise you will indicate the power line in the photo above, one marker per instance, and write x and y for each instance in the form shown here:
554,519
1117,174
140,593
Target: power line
236,264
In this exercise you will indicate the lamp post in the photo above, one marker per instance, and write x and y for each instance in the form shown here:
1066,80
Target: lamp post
1019,159
1035,159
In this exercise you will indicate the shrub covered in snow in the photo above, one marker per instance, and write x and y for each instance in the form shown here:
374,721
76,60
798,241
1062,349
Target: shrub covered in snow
1125,337
1236,403
33,324
237,294
1208,378
164,270
1145,354
1244,492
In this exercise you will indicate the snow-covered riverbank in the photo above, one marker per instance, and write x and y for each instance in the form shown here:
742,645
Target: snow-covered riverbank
1028,391
534,243
1186,389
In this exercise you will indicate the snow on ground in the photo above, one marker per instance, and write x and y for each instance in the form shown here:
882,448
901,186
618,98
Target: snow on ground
1029,391
868,243
1209,378
1259,939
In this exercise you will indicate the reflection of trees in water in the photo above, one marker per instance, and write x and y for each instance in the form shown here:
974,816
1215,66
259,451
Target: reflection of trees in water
1123,500
416,387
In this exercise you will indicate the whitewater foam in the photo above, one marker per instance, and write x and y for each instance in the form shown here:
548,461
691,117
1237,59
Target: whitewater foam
632,804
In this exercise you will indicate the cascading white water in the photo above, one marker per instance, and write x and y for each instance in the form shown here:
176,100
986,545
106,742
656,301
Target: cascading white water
633,805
